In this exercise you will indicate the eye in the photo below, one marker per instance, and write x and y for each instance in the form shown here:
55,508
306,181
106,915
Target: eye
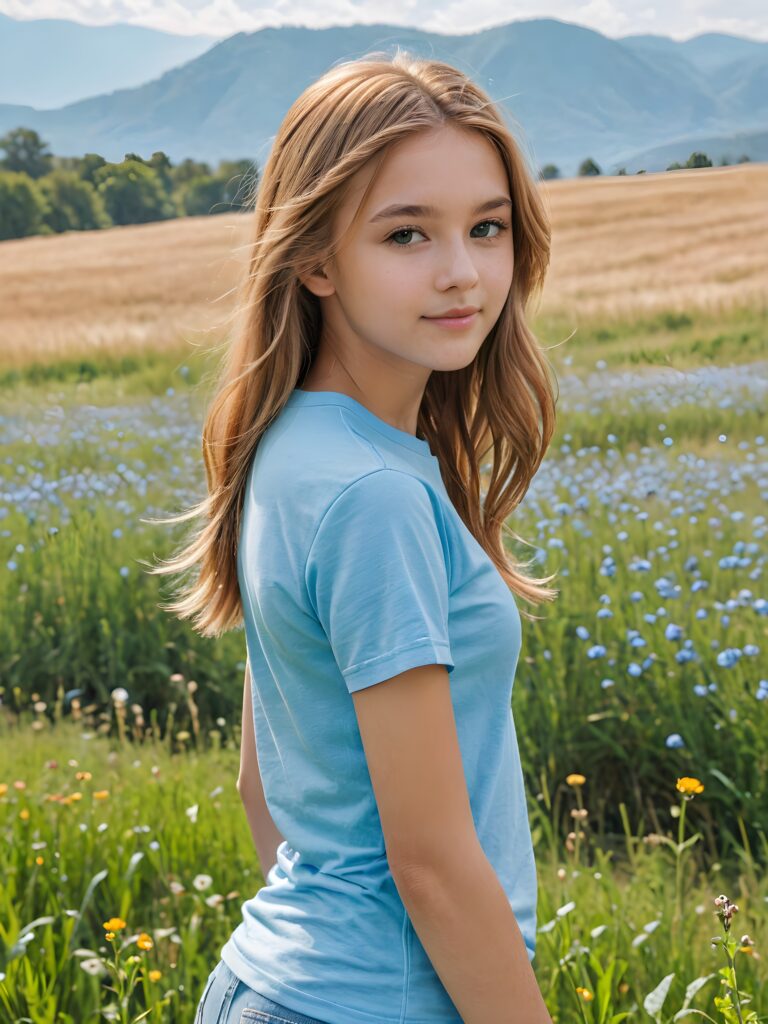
494,222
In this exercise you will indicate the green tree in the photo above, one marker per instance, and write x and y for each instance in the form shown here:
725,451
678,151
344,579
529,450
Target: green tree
698,160
25,152
22,207
74,204
549,171
89,164
133,193
588,167
160,162
201,196
239,179
188,169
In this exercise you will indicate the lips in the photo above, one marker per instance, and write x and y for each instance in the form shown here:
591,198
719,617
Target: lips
457,311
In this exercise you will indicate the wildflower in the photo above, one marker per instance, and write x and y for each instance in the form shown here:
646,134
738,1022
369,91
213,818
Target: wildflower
24,814
114,924
101,794
580,813
80,776
144,941
725,910
747,945
653,839
3,788
574,779
39,860
182,736
202,882
689,787
585,994
93,965
109,936
155,975
19,784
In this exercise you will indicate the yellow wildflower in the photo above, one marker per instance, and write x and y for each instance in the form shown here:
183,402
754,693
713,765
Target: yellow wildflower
689,786
155,975
24,814
39,860
144,941
109,936
574,779
114,924
101,794
585,994
3,788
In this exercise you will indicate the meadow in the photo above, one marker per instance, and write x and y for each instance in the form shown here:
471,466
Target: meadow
641,694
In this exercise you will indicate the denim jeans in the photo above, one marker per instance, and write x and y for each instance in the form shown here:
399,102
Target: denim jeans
227,1000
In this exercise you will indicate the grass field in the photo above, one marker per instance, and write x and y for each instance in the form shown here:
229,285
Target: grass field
649,668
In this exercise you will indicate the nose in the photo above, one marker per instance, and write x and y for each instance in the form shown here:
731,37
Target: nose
456,268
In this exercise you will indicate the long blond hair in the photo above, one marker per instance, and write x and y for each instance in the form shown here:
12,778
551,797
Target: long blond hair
502,402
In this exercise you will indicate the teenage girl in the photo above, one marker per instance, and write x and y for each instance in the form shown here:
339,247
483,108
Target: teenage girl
382,356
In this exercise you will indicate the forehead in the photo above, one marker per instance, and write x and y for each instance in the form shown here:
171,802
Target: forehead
447,167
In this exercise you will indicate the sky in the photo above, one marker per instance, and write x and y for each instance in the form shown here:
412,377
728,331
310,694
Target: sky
679,19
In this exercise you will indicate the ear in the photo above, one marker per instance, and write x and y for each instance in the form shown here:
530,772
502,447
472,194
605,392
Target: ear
318,283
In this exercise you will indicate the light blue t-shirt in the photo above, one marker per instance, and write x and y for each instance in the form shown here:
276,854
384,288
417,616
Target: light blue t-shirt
353,567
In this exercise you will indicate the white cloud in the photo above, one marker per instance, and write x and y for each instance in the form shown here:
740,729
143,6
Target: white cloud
679,19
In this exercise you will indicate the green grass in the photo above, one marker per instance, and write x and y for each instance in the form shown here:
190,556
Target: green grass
663,469
71,866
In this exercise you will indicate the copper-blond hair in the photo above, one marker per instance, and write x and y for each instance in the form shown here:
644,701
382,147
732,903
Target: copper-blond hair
501,404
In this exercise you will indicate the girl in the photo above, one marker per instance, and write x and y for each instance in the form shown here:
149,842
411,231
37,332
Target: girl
383,352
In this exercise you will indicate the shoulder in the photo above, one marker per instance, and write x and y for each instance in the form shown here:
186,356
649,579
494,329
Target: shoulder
382,494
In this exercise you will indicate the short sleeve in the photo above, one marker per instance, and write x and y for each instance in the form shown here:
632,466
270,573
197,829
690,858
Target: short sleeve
376,576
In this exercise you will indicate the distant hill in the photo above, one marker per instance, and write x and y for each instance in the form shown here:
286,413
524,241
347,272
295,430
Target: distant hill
568,91
47,63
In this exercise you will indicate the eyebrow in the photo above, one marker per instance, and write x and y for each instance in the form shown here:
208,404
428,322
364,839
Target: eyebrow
413,210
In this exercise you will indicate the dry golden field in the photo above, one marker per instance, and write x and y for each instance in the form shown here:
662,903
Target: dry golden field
622,246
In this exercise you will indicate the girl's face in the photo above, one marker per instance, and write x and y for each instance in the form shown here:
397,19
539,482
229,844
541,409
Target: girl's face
399,269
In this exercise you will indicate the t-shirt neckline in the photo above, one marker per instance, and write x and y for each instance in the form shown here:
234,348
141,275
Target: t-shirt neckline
416,444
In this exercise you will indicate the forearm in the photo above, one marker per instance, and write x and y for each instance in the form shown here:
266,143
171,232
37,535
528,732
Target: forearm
266,836
468,929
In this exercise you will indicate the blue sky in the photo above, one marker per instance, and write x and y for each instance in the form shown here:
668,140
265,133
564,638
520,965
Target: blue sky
679,19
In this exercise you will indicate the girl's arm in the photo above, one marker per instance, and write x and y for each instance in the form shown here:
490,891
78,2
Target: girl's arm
266,836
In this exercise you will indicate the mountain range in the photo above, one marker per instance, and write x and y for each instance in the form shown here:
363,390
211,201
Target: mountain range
568,92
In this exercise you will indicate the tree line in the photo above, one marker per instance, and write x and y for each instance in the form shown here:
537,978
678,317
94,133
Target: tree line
43,194
590,167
